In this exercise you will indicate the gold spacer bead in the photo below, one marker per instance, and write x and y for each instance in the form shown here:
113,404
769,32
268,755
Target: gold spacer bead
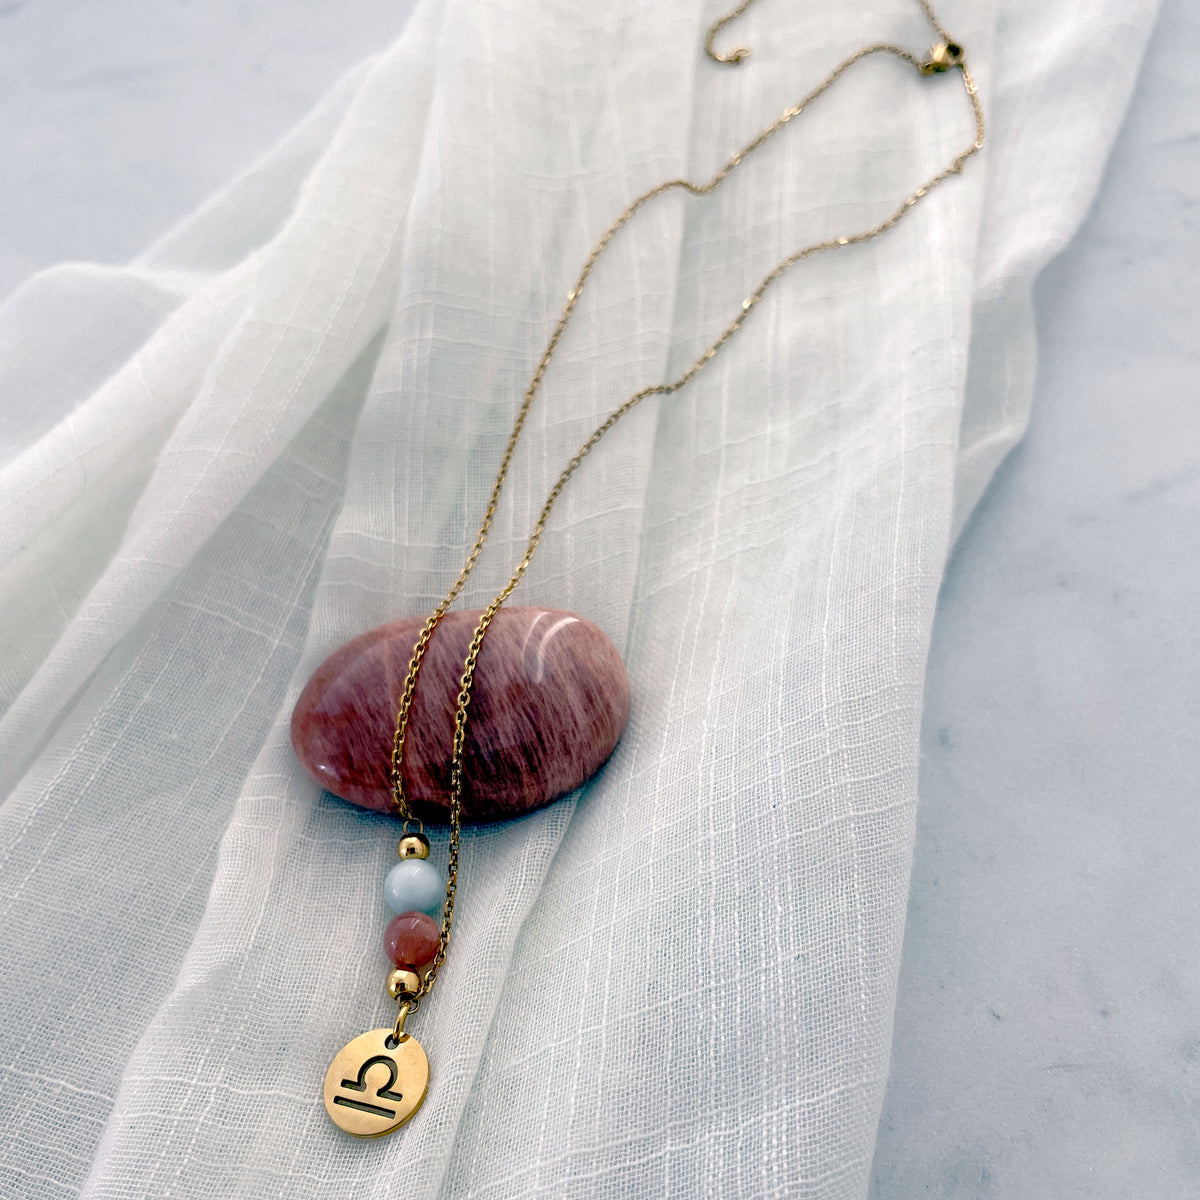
403,983
413,845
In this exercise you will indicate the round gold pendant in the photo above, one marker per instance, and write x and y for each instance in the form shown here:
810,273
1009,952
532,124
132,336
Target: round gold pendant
376,1083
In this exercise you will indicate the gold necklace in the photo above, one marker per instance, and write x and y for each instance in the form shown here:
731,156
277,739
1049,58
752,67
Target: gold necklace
379,1080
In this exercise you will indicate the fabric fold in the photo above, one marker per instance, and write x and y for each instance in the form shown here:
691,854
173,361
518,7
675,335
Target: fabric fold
227,383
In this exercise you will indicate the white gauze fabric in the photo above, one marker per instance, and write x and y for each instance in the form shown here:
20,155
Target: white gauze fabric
278,429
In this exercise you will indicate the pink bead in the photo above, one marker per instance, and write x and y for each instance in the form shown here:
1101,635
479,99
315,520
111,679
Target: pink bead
412,940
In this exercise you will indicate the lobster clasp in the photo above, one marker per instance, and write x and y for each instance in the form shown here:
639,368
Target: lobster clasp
943,57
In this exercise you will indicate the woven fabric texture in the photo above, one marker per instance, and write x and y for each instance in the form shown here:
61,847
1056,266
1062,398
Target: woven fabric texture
277,429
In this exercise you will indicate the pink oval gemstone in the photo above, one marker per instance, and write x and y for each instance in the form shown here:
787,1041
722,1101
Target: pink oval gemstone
551,698
412,940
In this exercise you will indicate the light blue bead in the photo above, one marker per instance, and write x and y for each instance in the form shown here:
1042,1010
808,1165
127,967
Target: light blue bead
414,885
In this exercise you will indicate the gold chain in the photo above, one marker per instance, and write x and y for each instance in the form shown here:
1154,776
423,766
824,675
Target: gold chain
943,57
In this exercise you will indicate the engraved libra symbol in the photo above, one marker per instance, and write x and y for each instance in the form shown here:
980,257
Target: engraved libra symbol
384,1092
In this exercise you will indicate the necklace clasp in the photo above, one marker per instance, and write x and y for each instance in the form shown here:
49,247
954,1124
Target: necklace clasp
943,57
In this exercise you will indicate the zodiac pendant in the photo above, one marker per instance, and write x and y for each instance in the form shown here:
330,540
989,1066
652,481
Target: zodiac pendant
376,1082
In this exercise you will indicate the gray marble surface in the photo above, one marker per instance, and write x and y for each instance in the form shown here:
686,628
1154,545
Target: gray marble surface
1048,1025
1047,1035
118,118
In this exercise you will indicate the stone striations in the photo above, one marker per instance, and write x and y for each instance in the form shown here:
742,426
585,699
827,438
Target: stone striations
550,700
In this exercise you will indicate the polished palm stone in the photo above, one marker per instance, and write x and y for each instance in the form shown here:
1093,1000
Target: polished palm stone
411,940
551,698
413,883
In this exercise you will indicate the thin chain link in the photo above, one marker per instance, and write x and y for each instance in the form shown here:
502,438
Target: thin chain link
730,57
466,682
